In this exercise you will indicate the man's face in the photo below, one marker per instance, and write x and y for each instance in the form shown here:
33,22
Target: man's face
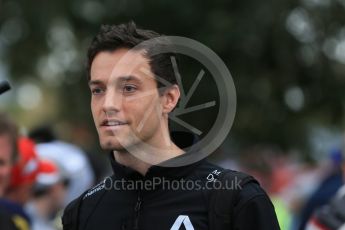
125,103
6,151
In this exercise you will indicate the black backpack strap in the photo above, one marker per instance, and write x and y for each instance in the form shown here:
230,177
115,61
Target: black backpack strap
223,201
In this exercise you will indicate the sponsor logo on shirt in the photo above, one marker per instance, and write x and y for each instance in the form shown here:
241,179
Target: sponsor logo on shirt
182,220
95,189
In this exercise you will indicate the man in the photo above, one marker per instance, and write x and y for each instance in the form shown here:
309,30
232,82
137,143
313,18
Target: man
331,216
48,197
23,177
8,155
8,150
130,110
70,159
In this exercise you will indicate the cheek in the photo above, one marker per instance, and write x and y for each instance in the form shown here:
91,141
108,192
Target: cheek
95,109
5,164
93,105
5,171
141,110
145,118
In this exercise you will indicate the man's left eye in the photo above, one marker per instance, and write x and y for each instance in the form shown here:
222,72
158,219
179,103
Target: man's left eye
129,88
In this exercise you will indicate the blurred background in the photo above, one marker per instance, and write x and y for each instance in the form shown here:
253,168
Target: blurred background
287,60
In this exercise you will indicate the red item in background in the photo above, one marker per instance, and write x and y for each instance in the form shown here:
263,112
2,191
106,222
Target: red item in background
314,224
48,174
26,168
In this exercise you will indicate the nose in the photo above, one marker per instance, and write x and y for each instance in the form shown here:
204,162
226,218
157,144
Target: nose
112,102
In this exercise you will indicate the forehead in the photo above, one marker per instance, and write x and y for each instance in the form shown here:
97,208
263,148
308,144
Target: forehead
119,63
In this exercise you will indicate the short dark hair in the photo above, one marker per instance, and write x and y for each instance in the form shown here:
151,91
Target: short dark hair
42,134
112,37
9,128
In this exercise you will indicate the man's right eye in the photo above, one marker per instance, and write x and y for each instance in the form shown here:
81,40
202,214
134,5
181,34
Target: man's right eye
96,91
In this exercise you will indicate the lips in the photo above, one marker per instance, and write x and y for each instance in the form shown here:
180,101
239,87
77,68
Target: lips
112,123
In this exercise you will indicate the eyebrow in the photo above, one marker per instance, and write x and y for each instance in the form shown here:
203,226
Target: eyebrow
129,78
94,82
121,79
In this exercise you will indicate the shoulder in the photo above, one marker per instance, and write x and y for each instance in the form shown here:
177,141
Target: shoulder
6,222
245,190
253,209
252,193
242,195
230,186
14,209
206,170
87,199
92,193
13,215
213,173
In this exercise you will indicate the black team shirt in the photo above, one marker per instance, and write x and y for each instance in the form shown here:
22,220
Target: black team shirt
170,198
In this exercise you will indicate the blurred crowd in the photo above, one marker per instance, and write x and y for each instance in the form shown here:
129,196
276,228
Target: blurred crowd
40,174
306,195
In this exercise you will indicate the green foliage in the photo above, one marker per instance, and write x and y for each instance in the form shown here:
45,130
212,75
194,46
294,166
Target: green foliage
287,58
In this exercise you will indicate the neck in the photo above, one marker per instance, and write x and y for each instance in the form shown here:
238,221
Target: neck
127,159
142,160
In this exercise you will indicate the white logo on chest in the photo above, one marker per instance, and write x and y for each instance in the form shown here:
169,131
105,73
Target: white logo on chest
212,175
182,220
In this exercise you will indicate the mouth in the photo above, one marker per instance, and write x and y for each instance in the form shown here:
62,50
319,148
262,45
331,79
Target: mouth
112,123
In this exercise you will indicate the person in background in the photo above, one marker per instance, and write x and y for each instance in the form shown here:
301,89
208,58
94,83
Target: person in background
48,197
8,155
327,188
331,216
68,157
8,150
23,176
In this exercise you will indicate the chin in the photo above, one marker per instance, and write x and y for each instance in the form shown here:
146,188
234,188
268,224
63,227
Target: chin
111,145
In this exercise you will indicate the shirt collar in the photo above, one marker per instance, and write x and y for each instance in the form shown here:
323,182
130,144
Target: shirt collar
182,140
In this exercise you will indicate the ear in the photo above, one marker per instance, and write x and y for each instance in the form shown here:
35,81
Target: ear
170,97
